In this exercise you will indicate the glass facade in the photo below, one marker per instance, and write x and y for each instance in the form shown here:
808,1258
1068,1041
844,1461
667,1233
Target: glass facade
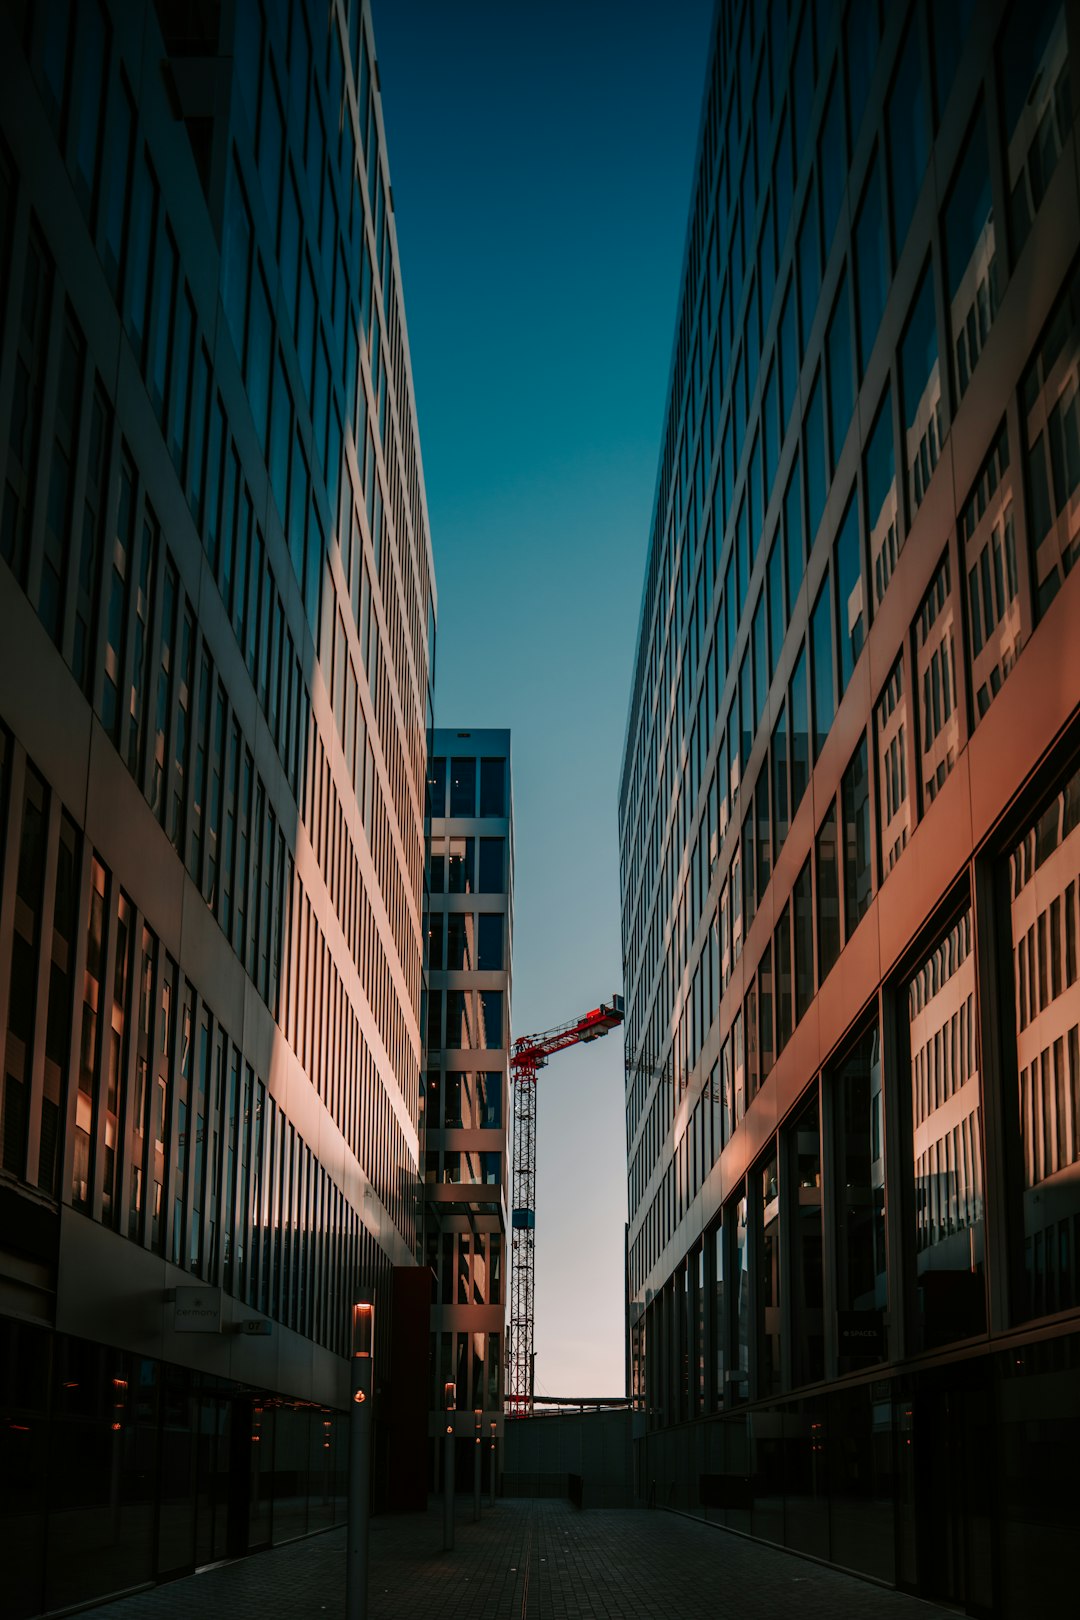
465,1101
217,608
881,679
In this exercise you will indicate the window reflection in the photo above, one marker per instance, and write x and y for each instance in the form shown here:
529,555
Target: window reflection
935,670
947,1141
1044,899
1051,413
769,1282
920,381
970,257
890,731
999,623
859,1213
1034,59
879,477
807,1328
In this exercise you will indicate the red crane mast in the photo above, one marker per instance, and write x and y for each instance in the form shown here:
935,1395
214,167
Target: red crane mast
530,1055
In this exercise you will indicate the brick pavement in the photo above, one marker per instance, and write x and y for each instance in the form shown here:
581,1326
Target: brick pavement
528,1560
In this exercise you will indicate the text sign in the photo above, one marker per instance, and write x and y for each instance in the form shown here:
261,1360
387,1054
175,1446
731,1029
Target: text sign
197,1310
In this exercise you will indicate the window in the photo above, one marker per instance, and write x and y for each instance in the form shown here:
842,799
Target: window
907,133
782,960
463,787
793,536
1034,61
999,618
920,385
855,807
817,470
821,659
947,1167
935,665
460,866
832,161
789,358
828,895
891,731
849,593
803,917
1050,409
861,40
879,481
871,261
841,384
491,932
491,1019
798,704
1043,939
859,1211
970,257
808,255
436,788
493,787
492,865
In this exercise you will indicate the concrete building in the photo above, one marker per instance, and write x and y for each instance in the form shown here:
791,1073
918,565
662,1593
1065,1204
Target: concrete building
216,615
466,1099
849,803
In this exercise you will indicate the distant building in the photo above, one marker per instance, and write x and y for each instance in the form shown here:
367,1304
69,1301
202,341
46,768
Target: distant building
466,1101
216,607
849,808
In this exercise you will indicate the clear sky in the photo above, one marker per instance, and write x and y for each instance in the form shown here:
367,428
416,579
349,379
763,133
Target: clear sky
541,157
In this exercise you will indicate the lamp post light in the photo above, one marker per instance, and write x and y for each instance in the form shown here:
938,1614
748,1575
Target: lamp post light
478,1419
449,1406
356,1561
493,1455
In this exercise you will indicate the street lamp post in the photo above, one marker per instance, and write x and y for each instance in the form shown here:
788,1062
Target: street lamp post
478,1418
356,1561
493,1456
449,1405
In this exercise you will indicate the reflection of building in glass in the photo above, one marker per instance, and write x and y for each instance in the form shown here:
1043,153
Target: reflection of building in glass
848,809
216,600
465,1097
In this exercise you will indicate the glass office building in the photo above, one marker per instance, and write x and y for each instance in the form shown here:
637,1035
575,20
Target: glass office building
849,808
217,617
465,1105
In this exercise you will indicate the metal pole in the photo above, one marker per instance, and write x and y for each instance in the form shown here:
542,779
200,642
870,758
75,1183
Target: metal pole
356,1555
493,1457
449,1403
477,1420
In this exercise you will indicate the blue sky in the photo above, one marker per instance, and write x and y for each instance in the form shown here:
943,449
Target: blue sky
541,158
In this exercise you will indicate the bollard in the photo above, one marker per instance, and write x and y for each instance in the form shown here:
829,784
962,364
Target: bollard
356,1555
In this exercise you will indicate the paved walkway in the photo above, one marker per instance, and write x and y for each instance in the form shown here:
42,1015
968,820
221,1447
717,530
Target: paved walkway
528,1560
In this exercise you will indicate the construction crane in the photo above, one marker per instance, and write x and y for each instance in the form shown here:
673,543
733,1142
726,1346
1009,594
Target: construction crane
530,1055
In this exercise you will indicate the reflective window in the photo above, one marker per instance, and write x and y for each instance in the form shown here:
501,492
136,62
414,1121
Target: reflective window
808,255
920,391
793,536
859,1212
970,256
802,82
999,620
490,1026
798,705
782,982
768,1273
871,261
489,942
492,865
879,482
821,661
855,808
841,382
806,1328
1033,56
949,29
461,866
460,953
778,755
828,894
1044,904
803,917
436,787
935,669
1051,416
463,787
789,358
832,162
891,733
817,469
849,593
907,133
493,787
861,36
777,599
947,1142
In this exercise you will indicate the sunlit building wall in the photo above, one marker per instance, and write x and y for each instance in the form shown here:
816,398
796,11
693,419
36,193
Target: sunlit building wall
849,803
466,1099
216,622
